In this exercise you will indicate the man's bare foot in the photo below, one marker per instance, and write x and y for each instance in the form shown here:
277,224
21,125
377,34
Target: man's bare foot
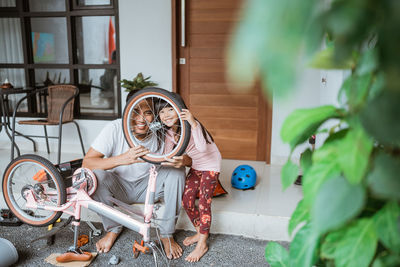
104,245
198,252
172,249
191,239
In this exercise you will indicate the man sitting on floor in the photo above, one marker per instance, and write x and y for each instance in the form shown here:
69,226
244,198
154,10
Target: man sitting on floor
123,175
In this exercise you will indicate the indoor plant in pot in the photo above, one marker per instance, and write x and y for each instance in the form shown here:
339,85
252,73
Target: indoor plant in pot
137,83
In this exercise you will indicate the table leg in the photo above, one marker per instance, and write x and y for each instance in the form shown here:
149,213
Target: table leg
8,125
13,144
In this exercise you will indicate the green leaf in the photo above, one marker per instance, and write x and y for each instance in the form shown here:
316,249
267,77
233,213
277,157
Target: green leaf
380,118
324,167
302,123
305,160
325,60
279,26
387,260
387,226
384,180
345,89
300,214
336,203
276,255
368,62
336,136
330,243
303,250
315,177
343,16
359,89
356,89
355,150
378,83
358,245
290,171
244,50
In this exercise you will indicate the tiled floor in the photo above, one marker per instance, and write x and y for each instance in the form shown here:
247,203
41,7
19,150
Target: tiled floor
261,213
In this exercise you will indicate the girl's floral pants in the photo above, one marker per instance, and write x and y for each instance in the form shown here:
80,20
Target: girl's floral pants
200,183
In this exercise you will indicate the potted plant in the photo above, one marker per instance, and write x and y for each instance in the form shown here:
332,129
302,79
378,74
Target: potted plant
350,212
139,82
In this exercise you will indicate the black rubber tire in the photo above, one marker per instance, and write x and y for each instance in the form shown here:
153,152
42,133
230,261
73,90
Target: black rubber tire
169,97
56,179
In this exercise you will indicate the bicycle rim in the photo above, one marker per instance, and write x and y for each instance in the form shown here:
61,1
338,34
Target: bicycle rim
31,172
156,130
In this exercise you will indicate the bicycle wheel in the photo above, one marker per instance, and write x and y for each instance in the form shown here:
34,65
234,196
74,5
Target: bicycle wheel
144,106
39,176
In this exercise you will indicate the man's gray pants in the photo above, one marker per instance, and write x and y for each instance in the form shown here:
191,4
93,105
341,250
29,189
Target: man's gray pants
169,186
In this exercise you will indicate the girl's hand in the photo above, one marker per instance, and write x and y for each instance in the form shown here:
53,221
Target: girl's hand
177,161
187,116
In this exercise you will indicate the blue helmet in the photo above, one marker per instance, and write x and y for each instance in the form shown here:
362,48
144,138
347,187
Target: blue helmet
244,177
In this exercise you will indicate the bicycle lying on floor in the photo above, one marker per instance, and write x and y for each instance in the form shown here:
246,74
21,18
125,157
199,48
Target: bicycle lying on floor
37,194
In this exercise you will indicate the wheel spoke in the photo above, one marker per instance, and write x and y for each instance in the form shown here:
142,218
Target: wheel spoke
154,101
23,176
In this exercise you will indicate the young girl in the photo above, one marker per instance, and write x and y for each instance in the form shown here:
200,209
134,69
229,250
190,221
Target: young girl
202,177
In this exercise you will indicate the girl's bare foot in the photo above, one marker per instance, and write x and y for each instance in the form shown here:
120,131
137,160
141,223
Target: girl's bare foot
104,245
172,249
191,239
197,253
200,249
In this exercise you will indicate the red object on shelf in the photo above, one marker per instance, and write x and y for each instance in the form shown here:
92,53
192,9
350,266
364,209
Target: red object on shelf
111,41
6,86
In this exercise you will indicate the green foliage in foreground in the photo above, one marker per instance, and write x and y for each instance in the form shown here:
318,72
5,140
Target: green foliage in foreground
350,213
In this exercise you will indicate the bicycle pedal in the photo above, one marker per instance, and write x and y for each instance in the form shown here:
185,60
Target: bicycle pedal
82,240
137,248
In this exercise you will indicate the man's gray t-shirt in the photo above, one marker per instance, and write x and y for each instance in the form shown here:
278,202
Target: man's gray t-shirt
111,142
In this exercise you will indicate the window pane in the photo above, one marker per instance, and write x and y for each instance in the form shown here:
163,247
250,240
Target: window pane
47,5
93,2
17,78
98,91
7,3
95,40
51,76
49,40
10,41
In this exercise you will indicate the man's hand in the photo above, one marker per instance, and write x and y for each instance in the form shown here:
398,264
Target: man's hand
178,161
133,155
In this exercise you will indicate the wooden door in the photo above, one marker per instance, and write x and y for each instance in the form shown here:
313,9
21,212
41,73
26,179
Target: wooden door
239,122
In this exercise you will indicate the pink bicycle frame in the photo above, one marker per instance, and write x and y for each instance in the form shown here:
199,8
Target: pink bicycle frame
81,199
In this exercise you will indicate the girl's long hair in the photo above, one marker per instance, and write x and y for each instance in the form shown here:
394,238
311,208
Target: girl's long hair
206,134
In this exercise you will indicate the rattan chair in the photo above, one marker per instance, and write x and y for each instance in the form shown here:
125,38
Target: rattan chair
60,110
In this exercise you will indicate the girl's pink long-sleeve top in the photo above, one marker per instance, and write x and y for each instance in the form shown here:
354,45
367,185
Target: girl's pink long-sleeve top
205,157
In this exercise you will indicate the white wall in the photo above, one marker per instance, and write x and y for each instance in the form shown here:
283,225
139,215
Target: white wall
145,46
145,36
309,92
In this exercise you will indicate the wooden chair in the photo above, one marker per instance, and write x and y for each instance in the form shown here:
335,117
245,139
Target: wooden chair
60,110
